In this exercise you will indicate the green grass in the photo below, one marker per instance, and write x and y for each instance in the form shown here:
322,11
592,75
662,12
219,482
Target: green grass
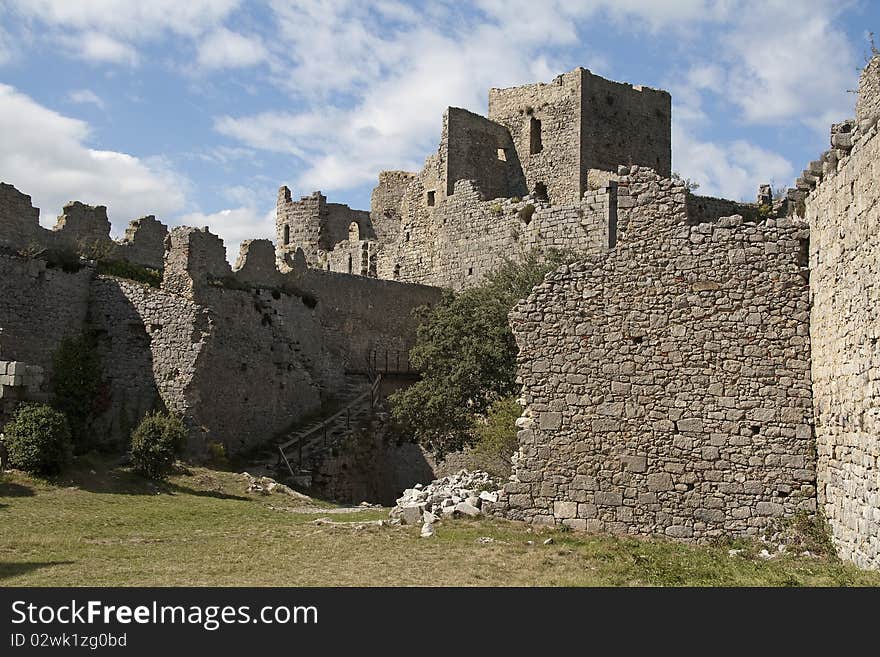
103,526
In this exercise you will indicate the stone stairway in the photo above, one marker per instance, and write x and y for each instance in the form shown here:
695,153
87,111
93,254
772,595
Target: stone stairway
299,449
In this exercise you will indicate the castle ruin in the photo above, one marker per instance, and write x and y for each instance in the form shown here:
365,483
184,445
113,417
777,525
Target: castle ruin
706,368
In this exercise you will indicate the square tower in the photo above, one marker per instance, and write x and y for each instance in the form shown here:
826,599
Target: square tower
580,121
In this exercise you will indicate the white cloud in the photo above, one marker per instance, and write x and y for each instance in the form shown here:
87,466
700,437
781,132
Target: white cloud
235,225
226,49
731,169
790,61
110,31
46,155
85,97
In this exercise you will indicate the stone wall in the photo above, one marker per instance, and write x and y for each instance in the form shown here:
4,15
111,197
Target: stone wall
708,208
19,219
467,237
40,305
482,151
544,121
845,330
624,124
868,104
80,229
273,344
666,385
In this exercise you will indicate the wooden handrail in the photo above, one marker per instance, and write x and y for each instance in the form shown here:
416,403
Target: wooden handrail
302,436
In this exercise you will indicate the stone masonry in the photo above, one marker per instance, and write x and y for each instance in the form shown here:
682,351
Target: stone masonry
845,330
666,385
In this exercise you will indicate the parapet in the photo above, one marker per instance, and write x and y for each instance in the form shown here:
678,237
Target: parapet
82,229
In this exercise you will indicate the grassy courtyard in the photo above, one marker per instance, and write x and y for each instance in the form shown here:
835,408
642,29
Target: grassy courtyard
104,526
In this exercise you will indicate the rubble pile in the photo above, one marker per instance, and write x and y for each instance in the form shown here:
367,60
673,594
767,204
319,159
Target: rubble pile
461,494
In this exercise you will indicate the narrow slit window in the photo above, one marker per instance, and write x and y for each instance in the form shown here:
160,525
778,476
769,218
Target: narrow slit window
535,145
286,234
349,263
431,198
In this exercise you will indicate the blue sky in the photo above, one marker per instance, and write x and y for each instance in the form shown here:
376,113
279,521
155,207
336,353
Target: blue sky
197,111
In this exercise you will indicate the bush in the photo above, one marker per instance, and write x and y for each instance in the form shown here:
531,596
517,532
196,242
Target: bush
496,439
155,444
38,439
525,213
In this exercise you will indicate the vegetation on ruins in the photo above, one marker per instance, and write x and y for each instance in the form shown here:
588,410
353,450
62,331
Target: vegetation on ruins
38,439
690,185
77,385
130,271
156,443
525,213
496,439
466,352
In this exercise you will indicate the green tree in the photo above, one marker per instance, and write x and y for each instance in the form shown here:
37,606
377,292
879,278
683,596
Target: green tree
466,353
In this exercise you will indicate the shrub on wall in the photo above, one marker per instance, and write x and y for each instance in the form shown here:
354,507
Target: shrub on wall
77,385
156,442
38,439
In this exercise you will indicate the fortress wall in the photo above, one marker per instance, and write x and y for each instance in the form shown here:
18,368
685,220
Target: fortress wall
868,103
149,343
557,105
144,242
845,333
19,220
666,385
367,317
39,307
625,125
81,229
386,203
468,237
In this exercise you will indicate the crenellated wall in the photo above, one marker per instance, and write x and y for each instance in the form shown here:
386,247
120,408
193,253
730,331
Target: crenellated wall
81,229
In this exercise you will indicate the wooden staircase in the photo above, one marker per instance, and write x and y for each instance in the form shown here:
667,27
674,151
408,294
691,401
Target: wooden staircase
302,446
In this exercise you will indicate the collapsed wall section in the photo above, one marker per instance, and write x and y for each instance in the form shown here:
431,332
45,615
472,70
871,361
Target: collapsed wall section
667,385
845,333
544,121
